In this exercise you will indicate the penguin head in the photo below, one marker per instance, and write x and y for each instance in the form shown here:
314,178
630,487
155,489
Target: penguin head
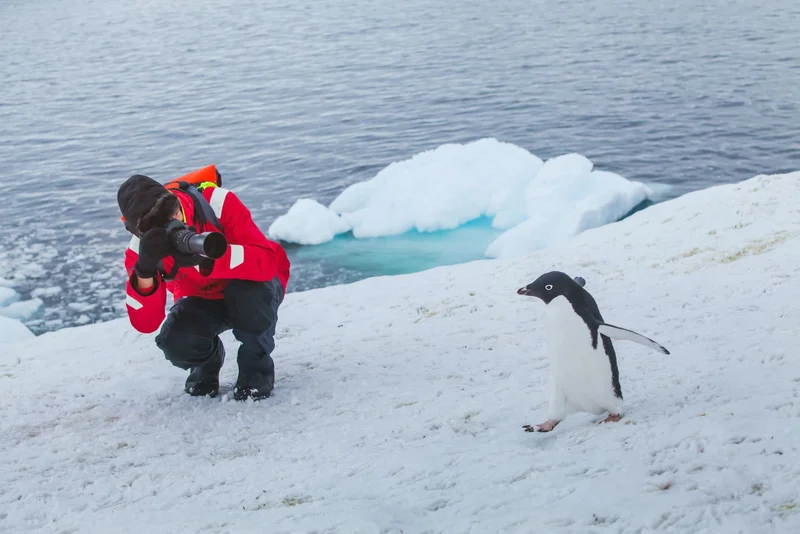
551,285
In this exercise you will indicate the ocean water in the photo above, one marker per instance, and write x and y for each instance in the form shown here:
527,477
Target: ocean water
301,99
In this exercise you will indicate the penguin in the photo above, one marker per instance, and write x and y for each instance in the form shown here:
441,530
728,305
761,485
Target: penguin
583,364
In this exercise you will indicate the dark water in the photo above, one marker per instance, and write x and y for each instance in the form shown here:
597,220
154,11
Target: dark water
294,99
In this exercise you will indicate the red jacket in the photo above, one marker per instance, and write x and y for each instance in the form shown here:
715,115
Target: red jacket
250,256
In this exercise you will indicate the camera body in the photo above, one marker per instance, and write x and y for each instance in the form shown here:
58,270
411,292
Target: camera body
185,240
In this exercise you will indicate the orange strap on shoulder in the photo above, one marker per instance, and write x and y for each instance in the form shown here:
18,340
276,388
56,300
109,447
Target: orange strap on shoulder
206,174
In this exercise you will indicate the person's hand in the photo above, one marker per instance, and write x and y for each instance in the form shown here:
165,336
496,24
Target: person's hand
154,245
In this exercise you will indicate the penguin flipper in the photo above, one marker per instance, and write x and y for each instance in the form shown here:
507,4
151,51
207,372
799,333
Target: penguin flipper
623,333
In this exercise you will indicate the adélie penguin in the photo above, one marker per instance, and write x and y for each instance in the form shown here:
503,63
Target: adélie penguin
583,365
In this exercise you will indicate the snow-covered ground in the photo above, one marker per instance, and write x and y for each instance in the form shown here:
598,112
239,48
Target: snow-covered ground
400,401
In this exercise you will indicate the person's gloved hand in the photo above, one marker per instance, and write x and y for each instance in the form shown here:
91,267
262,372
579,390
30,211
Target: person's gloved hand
154,245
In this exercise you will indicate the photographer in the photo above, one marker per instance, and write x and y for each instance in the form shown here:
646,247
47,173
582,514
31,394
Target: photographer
240,290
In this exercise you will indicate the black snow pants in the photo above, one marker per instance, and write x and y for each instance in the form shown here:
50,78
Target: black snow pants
189,336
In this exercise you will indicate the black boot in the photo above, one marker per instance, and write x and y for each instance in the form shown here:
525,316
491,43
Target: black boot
256,384
204,380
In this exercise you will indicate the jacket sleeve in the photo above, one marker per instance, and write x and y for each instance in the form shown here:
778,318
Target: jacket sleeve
145,312
250,255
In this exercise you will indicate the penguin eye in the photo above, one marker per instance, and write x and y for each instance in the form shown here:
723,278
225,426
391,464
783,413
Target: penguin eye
548,287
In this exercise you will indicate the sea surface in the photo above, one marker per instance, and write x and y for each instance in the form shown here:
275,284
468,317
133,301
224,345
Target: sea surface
300,99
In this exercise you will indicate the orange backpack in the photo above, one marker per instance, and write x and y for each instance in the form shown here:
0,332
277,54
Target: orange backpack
200,179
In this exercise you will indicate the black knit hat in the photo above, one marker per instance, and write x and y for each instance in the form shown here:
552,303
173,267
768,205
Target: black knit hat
145,203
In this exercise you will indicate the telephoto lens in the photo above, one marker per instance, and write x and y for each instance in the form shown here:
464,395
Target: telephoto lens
209,244
183,239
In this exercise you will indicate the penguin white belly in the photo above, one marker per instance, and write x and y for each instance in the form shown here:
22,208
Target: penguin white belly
579,372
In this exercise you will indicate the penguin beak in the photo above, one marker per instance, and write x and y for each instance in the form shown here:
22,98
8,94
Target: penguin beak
527,292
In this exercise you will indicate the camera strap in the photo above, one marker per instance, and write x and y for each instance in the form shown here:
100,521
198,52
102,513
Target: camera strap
203,211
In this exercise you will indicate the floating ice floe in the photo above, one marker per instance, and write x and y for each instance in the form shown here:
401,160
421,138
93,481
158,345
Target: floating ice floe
13,311
537,203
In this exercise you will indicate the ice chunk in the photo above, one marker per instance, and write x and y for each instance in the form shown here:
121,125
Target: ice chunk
438,189
7,296
22,310
538,203
570,199
308,223
12,330
46,291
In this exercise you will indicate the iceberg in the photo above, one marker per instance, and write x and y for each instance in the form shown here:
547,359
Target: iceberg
308,223
566,198
535,203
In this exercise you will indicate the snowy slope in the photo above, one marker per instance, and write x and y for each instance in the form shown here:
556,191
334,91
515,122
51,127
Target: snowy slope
400,401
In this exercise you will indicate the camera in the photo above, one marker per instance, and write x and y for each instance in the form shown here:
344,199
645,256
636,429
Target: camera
185,240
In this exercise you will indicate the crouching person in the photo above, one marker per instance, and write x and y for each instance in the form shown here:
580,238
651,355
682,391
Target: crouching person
240,290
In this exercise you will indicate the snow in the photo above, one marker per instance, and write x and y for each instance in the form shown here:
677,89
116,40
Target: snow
400,401
538,203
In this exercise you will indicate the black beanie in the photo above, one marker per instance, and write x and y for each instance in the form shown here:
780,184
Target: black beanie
143,200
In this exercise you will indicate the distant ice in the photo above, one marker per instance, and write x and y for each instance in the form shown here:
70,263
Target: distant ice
80,306
46,292
538,203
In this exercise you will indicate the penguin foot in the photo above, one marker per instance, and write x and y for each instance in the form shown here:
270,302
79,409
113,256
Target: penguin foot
547,426
612,418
